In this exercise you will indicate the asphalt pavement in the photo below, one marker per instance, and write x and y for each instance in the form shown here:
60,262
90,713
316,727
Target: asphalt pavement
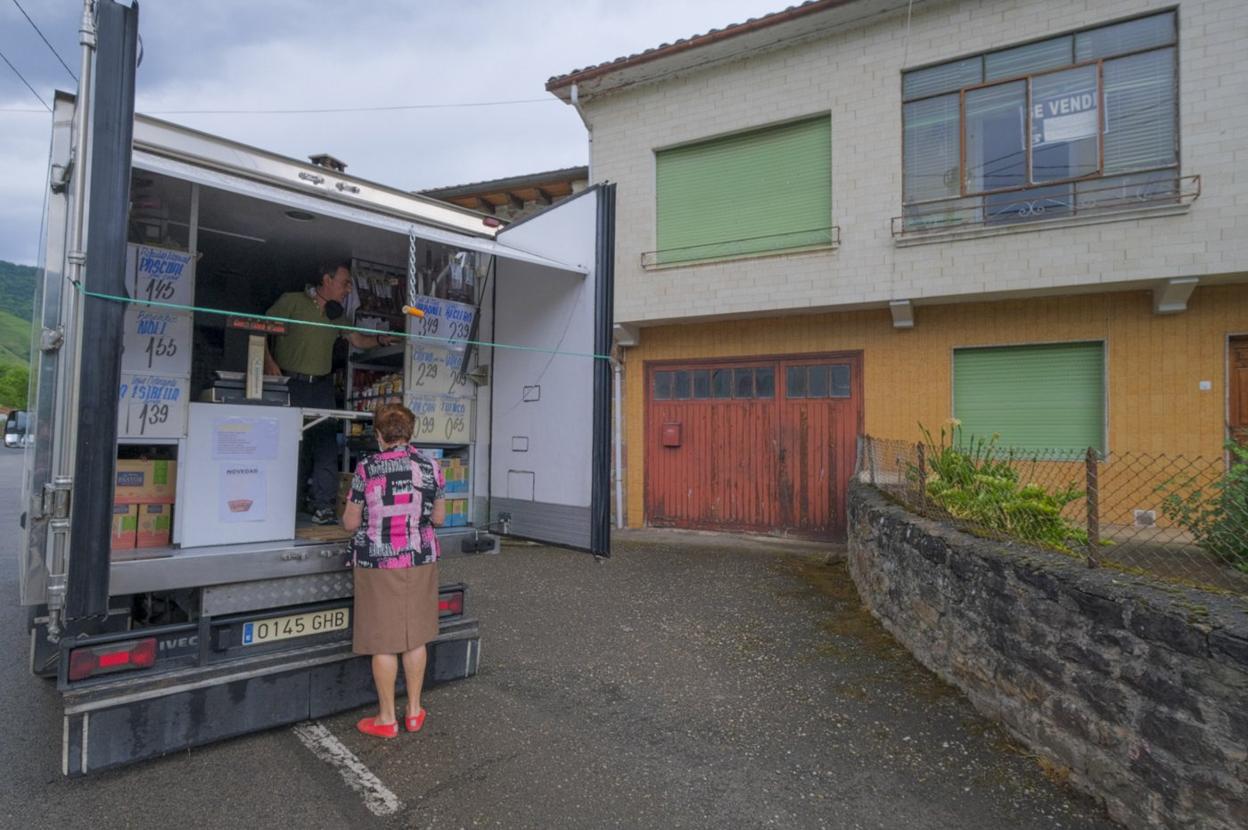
690,681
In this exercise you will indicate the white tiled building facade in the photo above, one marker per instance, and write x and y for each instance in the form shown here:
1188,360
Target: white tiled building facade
852,72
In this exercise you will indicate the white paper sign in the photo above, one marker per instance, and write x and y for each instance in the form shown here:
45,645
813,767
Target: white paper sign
243,493
244,439
435,371
160,275
151,406
441,419
450,321
1068,117
156,340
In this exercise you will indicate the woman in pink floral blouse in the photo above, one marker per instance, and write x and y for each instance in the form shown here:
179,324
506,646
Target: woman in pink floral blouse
397,498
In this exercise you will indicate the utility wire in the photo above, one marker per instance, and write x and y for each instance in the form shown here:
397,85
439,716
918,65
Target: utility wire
28,86
329,110
45,40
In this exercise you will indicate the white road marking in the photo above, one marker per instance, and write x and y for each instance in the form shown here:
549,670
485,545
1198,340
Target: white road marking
377,797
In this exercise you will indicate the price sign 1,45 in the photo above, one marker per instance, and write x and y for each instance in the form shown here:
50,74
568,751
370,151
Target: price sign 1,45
159,290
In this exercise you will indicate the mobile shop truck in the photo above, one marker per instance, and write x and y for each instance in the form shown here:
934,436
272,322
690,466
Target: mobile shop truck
233,614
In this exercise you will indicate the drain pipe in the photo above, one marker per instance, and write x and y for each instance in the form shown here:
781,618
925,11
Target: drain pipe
574,98
617,371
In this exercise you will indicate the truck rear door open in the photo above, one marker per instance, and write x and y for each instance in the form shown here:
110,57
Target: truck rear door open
550,378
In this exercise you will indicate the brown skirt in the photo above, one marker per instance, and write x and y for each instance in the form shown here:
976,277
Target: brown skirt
396,609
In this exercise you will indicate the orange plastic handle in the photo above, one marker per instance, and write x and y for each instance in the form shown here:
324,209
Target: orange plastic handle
413,311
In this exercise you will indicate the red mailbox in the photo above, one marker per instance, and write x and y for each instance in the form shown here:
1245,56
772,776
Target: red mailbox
671,434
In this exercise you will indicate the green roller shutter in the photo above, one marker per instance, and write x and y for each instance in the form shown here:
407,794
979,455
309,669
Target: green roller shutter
765,190
1036,397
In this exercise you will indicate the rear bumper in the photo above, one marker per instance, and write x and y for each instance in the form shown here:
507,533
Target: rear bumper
120,723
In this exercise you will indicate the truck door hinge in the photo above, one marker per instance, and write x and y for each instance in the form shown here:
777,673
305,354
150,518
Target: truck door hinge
56,498
51,339
61,174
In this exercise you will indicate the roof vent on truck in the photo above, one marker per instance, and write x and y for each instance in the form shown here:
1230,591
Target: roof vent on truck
328,162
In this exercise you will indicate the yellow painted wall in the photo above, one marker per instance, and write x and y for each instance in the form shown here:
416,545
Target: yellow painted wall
1155,363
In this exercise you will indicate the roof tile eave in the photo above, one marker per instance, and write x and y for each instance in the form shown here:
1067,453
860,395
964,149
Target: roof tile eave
557,82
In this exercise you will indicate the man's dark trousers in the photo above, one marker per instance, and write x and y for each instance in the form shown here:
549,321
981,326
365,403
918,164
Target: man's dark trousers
320,442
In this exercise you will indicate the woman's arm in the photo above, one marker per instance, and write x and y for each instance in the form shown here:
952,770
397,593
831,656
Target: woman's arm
439,513
355,512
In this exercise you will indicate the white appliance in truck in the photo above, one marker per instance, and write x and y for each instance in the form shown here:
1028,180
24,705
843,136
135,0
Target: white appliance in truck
239,476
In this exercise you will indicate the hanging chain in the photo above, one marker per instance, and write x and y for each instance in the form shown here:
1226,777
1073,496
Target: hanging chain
411,265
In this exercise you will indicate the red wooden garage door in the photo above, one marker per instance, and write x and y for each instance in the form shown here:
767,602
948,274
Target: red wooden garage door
763,445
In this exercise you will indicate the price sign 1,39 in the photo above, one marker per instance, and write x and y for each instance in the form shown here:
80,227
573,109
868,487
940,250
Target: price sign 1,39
151,406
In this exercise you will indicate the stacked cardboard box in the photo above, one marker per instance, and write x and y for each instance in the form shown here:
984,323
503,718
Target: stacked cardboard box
145,482
456,512
143,497
125,526
456,472
155,525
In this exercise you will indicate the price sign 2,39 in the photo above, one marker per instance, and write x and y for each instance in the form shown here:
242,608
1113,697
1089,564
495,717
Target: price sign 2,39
449,321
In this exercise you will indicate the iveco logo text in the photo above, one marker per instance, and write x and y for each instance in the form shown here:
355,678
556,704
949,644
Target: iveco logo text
172,644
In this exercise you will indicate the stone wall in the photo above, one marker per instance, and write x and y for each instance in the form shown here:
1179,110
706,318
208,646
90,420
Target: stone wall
1141,692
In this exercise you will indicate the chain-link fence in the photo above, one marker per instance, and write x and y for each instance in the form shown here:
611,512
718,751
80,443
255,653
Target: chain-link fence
1182,519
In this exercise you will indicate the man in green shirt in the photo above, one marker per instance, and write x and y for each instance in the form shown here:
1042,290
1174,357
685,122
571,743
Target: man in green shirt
305,354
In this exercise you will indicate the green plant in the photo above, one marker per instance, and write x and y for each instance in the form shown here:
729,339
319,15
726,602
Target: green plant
1216,513
974,480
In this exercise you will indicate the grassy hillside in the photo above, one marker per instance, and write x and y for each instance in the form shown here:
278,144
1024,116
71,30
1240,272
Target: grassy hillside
17,288
17,292
14,339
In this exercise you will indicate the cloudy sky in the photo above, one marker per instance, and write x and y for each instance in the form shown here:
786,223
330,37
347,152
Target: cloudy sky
316,54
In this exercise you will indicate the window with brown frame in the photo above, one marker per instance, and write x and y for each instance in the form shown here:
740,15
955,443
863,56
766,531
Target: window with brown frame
1045,129
706,384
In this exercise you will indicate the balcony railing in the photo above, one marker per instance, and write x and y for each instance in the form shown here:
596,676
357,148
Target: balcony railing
1093,197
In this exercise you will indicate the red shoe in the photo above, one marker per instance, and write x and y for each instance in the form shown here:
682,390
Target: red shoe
370,726
413,722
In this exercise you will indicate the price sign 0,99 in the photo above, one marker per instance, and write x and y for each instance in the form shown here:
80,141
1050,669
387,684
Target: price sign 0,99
440,419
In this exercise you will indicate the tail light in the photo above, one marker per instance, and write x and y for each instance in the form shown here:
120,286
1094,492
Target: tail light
451,605
114,657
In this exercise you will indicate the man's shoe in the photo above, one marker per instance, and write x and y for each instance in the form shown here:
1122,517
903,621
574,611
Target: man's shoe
324,516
